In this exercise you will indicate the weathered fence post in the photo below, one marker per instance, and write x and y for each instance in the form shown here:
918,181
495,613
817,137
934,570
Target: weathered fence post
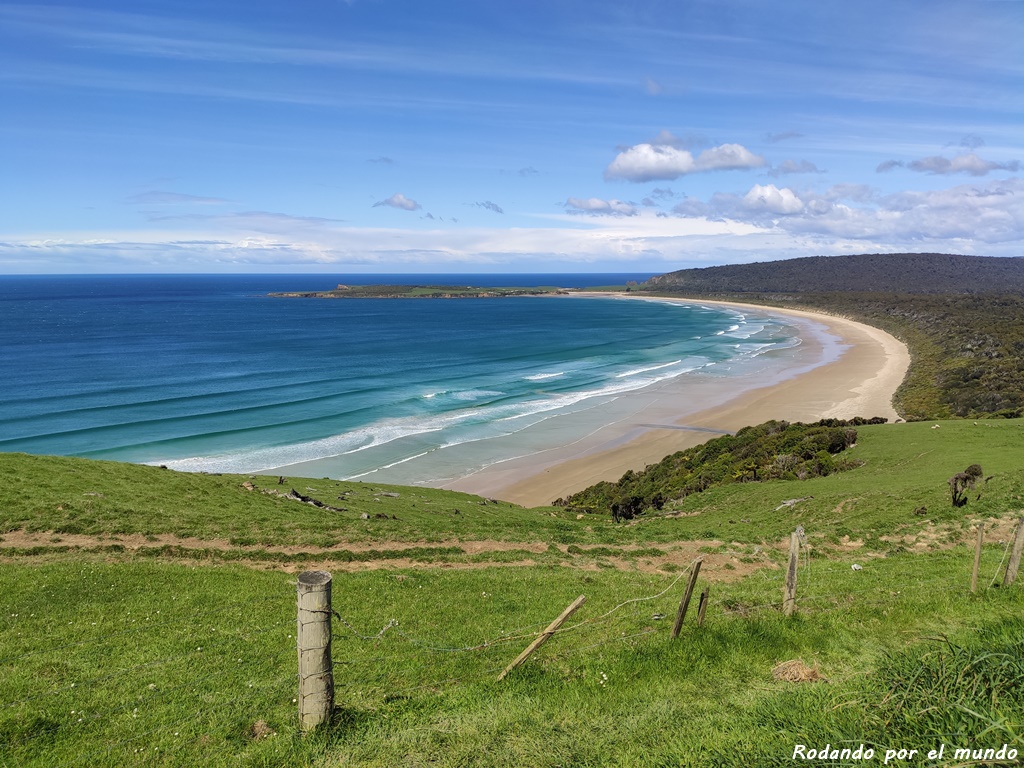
316,671
977,557
789,590
1018,548
685,603
703,605
547,633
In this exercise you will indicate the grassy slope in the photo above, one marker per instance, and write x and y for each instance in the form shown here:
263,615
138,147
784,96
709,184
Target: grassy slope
175,664
906,467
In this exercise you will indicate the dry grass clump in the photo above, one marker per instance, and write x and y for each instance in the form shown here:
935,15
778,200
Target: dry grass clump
261,730
795,671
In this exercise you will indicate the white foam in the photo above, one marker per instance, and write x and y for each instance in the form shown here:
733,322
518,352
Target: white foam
542,376
392,464
475,394
635,371
387,431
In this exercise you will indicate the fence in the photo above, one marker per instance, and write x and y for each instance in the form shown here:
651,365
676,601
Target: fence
130,682
317,712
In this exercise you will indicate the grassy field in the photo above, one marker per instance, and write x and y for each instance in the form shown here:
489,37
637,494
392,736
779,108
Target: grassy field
147,618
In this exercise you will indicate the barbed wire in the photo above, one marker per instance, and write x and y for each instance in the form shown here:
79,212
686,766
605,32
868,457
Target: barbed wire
998,567
518,634
596,619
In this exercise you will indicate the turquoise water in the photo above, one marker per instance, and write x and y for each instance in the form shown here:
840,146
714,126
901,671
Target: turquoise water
208,373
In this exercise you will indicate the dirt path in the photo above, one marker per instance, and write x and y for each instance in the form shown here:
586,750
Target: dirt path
729,565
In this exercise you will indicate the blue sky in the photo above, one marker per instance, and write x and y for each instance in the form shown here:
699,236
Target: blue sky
407,136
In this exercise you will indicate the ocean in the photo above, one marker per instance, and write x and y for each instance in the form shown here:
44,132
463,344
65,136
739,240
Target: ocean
208,373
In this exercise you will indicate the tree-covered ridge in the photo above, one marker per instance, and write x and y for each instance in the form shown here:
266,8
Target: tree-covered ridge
934,273
775,450
967,351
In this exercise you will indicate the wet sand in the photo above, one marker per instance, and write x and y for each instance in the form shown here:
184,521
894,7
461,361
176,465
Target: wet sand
861,382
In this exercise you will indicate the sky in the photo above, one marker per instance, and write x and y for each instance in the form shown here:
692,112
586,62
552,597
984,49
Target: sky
369,136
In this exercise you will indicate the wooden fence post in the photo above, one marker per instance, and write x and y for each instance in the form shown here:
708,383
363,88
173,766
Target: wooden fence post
977,557
1018,548
789,590
316,671
703,605
543,638
685,603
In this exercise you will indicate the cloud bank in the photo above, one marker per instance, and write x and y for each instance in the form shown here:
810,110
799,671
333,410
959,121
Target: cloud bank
596,205
968,163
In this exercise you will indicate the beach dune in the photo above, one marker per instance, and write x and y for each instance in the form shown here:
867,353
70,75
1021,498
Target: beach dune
861,382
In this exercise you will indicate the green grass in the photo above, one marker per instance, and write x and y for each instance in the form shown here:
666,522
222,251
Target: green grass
165,655
158,663
906,467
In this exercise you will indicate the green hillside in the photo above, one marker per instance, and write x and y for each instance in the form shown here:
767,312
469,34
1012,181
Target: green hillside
147,616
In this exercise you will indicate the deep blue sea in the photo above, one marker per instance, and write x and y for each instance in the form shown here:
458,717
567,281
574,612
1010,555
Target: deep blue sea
208,373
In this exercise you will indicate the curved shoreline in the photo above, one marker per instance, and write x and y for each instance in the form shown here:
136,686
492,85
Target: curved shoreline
861,382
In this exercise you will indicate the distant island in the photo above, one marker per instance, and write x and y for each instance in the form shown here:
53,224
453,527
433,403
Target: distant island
422,292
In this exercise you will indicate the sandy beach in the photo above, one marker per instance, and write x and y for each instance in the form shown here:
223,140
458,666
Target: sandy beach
861,382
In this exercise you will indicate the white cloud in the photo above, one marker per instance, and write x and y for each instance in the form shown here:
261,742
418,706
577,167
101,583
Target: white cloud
772,199
567,240
987,219
665,162
969,163
728,157
787,167
596,205
648,162
398,200
949,218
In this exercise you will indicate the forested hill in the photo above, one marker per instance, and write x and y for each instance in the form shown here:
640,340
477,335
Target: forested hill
888,272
